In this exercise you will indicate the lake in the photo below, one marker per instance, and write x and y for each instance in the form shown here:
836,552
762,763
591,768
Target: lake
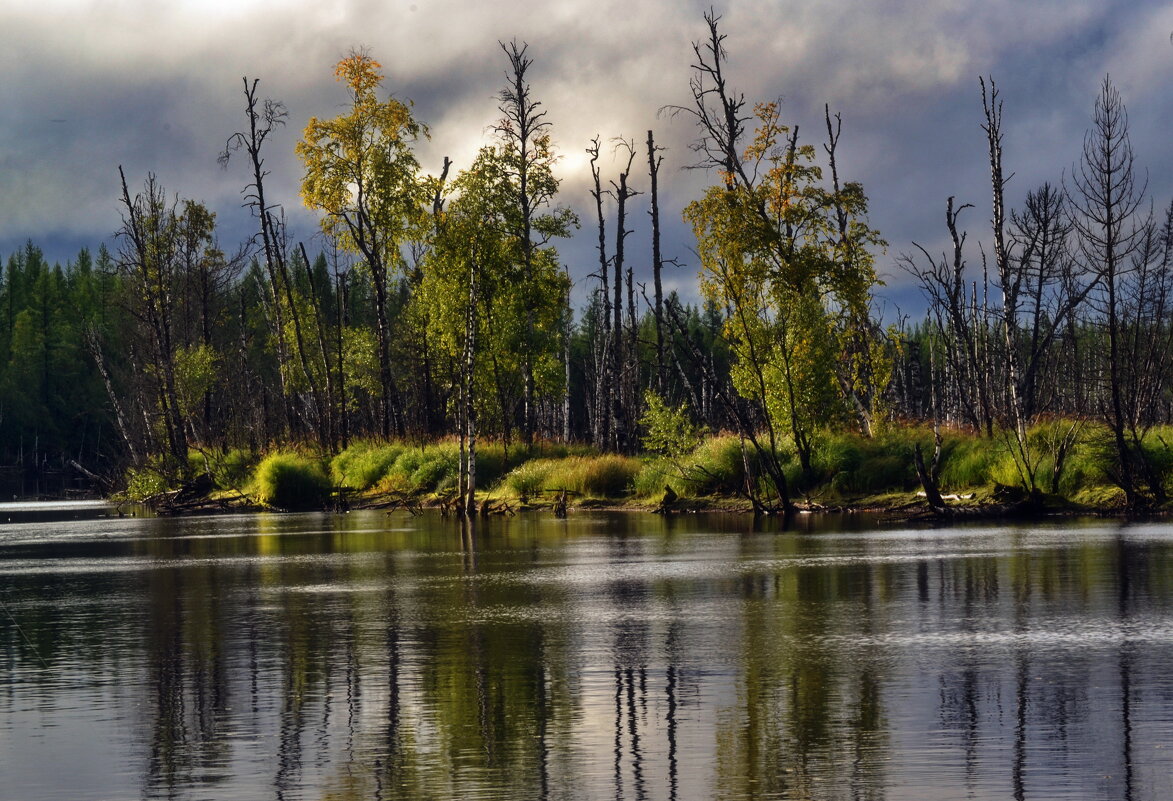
607,656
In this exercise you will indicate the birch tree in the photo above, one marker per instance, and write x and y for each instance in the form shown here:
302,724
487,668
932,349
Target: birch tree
361,172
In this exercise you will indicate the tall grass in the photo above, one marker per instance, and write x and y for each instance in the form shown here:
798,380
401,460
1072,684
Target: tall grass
848,463
604,476
434,467
363,464
714,467
291,481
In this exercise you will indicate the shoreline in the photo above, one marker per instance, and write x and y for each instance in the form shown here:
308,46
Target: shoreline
893,507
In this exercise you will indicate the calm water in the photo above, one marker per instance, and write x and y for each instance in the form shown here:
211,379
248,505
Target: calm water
611,656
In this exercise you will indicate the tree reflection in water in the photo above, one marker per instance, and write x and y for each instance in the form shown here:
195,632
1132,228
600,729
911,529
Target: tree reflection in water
604,656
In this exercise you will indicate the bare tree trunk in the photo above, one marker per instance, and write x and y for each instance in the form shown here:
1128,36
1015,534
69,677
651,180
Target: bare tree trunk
330,407
1010,283
857,377
261,123
621,422
566,330
631,385
469,434
343,292
524,123
94,345
657,262
604,374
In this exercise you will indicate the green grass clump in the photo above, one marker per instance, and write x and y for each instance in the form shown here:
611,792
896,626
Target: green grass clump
1157,447
604,476
1100,496
437,471
655,474
491,463
421,469
713,467
433,468
1004,468
1084,469
836,454
291,481
848,463
716,466
528,479
364,464
835,459
408,461
966,461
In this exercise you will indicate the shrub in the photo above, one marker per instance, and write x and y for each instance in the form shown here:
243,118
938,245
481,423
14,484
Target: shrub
669,430
144,482
291,481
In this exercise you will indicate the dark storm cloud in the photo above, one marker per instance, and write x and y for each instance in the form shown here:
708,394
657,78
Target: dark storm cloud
156,88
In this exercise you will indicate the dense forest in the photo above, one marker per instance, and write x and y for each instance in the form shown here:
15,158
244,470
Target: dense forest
439,306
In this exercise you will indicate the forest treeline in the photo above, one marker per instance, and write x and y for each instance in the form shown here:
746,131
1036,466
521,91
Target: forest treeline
437,305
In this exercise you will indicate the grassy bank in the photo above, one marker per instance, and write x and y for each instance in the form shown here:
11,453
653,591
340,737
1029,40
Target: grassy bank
1067,464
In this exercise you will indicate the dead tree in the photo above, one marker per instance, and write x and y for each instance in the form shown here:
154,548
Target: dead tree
603,352
522,124
264,118
654,162
1110,222
961,324
622,414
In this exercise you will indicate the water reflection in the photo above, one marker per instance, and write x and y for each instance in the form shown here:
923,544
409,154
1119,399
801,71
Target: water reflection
606,656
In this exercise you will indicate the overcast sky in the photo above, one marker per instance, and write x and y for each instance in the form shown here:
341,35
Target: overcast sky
156,87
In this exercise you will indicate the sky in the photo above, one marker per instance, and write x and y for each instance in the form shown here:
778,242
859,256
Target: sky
156,87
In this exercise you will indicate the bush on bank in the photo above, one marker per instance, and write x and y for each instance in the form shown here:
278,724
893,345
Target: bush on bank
293,481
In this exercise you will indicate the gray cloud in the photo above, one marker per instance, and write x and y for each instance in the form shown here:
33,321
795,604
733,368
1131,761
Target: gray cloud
157,87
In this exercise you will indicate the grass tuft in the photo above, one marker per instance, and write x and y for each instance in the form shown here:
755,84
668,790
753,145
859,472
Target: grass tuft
291,481
604,476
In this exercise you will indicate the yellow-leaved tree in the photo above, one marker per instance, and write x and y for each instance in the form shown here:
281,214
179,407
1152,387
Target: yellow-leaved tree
362,174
